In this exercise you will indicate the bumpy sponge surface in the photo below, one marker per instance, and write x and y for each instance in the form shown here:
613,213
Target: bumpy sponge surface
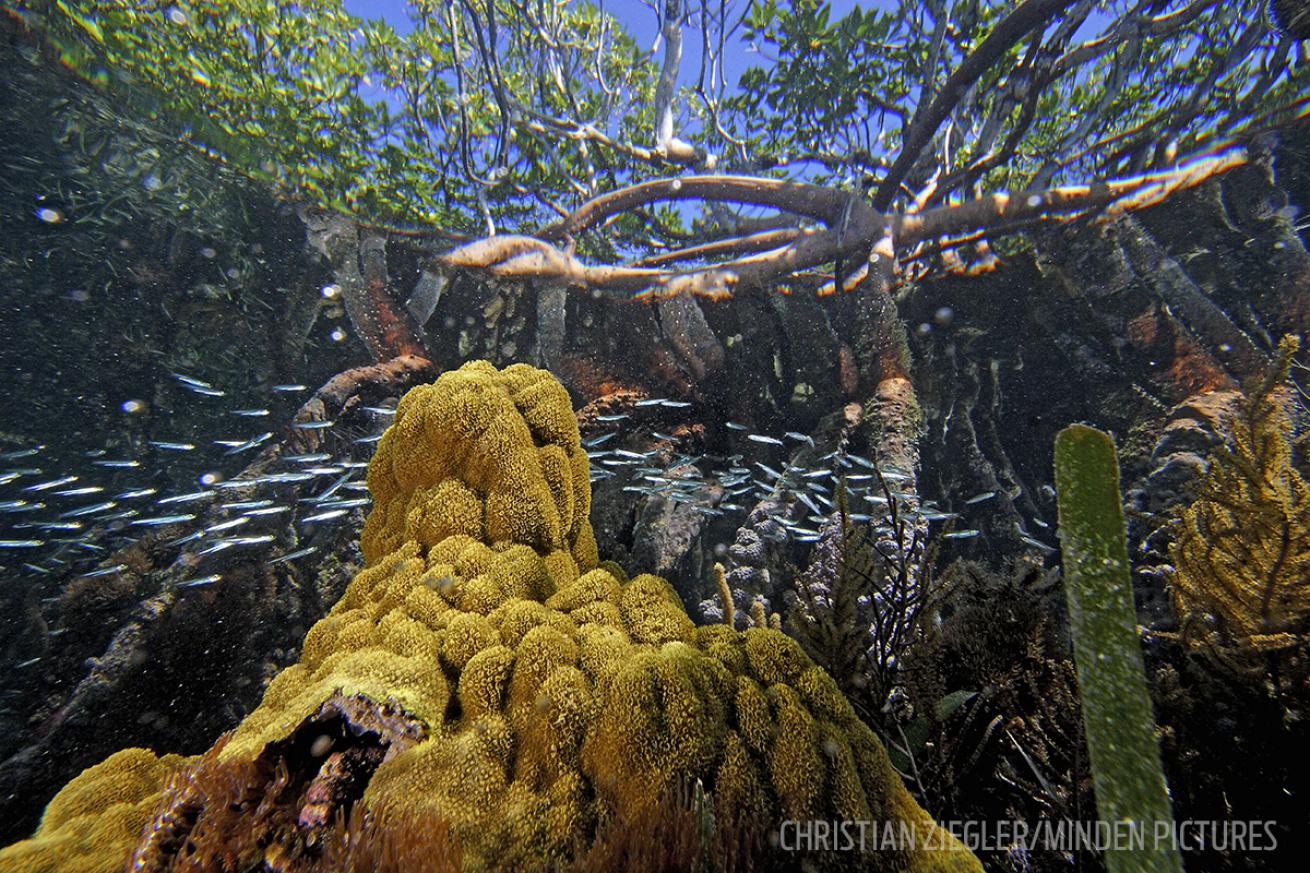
95,821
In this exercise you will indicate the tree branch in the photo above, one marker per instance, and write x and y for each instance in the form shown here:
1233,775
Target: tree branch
1062,204
812,201
1013,28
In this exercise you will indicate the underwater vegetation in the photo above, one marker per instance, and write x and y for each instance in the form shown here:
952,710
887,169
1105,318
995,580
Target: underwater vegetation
864,602
487,680
211,202
1241,554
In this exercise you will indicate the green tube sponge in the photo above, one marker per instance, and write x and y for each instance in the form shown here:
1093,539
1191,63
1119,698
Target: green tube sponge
1125,756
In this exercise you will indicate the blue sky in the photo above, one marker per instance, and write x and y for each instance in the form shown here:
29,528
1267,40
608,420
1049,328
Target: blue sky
639,20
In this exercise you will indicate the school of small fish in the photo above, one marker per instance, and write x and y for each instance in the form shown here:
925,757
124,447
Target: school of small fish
46,517
44,521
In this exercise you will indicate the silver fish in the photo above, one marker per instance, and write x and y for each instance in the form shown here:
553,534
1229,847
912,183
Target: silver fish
105,571
140,492
21,453
278,477
227,525
253,540
344,504
89,510
1036,542
53,483
291,556
761,438
200,581
57,525
325,516
191,380
172,447
185,498
164,519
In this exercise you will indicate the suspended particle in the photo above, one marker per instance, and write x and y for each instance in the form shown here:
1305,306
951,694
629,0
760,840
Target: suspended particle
1034,200
210,478
177,16
152,182
79,295
331,291
943,316
923,329
337,334
208,253
131,407
49,216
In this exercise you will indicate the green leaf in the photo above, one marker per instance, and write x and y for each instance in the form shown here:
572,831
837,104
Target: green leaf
947,706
